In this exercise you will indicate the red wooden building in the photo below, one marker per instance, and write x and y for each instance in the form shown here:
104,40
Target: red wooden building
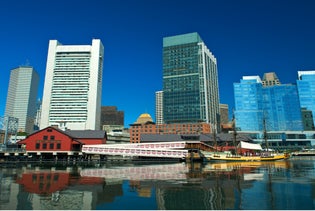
52,142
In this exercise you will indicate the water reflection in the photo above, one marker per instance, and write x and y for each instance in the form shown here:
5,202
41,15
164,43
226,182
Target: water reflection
195,186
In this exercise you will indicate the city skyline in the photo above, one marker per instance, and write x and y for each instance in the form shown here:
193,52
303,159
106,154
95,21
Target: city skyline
246,37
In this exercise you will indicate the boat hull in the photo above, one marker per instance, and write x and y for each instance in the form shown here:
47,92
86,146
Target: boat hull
229,157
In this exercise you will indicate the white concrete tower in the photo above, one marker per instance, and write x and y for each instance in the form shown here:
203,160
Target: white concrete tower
73,86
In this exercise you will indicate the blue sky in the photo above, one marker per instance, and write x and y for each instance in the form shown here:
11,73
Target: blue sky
248,37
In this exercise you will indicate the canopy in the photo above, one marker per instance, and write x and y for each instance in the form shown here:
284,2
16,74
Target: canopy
246,145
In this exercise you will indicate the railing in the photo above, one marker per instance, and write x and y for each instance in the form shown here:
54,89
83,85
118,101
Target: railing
167,150
12,150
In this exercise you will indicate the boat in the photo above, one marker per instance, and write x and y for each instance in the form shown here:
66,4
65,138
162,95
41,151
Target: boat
247,151
255,153
304,152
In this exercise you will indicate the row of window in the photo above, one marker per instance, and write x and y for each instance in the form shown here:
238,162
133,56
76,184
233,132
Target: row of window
48,146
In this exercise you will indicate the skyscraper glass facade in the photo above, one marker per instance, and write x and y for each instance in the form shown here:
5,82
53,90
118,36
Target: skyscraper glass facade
306,90
190,81
282,109
278,105
248,104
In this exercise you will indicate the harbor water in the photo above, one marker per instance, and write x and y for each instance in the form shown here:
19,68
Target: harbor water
281,185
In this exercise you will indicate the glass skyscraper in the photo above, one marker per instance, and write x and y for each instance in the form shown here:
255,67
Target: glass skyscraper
278,105
21,98
248,104
73,86
190,81
306,89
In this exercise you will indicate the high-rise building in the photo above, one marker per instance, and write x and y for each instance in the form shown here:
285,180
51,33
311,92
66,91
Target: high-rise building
248,111
21,98
73,86
111,116
224,113
159,107
190,81
306,89
270,79
278,106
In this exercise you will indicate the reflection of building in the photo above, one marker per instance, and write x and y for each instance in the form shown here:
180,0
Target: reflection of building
51,190
21,98
306,89
307,119
159,172
73,86
44,182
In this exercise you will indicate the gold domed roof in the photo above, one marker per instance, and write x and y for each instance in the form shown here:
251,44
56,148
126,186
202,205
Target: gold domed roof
144,118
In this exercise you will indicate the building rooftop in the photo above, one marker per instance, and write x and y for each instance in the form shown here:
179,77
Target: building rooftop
86,133
144,118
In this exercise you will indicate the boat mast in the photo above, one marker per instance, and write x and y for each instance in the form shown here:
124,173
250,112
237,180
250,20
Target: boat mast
214,128
234,133
265,135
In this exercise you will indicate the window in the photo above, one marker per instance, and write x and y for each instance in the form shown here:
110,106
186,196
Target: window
44,146
52,137
37,146
51,145
58,146
45,137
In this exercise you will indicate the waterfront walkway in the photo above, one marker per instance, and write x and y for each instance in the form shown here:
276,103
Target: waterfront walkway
176,150
181,150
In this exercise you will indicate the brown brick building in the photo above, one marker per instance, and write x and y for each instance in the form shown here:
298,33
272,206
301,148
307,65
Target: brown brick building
111,116
145,125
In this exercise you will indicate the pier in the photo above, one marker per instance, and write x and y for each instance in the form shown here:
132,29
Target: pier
185,150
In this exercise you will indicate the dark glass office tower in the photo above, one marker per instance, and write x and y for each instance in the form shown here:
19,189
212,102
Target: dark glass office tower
190,81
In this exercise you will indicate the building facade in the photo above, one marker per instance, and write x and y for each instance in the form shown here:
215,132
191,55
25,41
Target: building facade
73,86
277,105
306,89
111,116
224,114
307,119
21,97
51,142
248,104
145,125
270,79
159,107
190,81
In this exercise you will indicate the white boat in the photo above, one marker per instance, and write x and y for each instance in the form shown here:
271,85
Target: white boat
304,152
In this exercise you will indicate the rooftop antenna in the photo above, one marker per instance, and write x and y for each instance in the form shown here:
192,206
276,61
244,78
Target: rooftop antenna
234,132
